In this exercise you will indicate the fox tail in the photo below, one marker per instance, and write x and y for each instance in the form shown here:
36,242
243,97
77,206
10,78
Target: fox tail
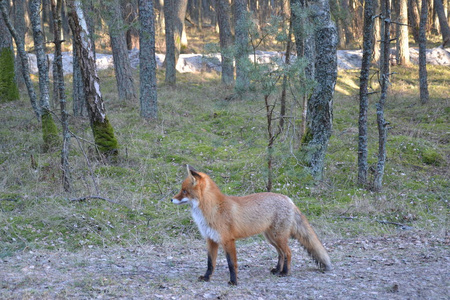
304,233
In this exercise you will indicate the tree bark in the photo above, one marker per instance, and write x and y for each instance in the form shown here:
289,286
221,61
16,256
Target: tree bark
103,132
381,122
363,91
320,105
23,58
19,24
147,60
423,81
49,130
226,41
122,68
179,9
241,16
413,16
78,97
170,60
403,40
56,13
8,85
445,29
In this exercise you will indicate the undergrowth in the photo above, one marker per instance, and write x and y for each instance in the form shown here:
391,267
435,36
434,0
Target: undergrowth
197,125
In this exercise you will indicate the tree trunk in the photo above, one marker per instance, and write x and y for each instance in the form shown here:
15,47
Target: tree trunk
49,130
170,60
377,33
424,96
23,58
19,24
445,29
147,60
56,13
78,98
413,16
403,40
241,16
381,122
226,41
122,68
8,85
179,15
102,130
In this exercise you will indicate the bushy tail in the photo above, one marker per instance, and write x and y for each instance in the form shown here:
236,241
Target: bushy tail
305,234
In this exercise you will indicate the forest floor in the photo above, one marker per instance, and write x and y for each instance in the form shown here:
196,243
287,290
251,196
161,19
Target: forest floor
411,264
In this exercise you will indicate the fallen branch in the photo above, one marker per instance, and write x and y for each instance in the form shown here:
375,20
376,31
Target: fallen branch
394,223
100,198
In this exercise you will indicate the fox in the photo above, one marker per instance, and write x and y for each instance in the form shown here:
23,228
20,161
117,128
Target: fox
223,219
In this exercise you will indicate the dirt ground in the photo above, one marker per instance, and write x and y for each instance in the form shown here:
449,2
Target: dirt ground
407,265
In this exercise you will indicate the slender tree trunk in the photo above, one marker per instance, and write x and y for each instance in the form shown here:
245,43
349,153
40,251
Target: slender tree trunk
413,16
179,16
103,132
49,130
147,65
241,16
377,33
8,85
56,13
23,58
320,105
78,99
170,60
424,96
445,29
381,122
226,41
19,24
363,91
122,68
403,40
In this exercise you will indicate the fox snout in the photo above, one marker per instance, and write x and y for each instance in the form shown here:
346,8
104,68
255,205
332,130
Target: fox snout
178,202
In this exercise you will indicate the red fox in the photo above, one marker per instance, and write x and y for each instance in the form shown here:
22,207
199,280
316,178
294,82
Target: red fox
223,219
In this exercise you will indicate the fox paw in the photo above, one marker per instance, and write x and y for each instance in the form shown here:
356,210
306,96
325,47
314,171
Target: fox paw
203,278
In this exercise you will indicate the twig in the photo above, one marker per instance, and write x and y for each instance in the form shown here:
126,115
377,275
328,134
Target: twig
100,198
392,223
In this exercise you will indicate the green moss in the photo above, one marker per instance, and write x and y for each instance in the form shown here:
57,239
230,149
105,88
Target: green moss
49,131
104,138
432,157
8,85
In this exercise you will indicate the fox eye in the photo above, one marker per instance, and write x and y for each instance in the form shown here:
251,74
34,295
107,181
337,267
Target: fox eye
184,192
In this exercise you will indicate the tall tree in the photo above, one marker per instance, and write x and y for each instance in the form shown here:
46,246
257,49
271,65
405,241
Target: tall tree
403,40
170,60
122,68
445,29
8,85
363,91
179,15
423,77
226,41
102,130
384,78
147,60
49,130
241,17
23,59
320,105
19,24
56,16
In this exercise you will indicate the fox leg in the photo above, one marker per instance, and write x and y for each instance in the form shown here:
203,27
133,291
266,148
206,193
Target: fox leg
212,256
230,252
284,254
281,259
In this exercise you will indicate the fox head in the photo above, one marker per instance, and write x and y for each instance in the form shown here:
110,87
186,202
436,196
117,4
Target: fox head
189,188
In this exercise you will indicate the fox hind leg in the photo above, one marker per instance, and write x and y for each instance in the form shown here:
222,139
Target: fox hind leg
284,254
212,257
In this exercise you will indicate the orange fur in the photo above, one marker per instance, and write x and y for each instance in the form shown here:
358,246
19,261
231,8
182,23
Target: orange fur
223,219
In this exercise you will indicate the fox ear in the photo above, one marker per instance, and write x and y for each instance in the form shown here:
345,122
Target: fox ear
193,174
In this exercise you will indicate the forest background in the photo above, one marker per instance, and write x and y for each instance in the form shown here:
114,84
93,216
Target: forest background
67,193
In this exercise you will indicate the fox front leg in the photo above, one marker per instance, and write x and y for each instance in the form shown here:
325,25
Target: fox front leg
230,252
212,257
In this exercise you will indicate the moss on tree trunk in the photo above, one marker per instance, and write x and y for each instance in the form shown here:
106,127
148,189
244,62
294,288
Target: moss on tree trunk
104,138
49,131
8,85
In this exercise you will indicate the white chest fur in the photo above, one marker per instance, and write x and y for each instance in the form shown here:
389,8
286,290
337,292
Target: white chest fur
203,226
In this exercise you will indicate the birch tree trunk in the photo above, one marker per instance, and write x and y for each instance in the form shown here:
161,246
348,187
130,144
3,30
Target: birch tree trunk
8,85
320,105
56,13
78,97
122,68
363,91
381,122
49,130
147,60
23,59
226,41
423,80
103,132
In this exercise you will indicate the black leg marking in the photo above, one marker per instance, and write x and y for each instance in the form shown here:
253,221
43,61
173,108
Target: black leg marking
209,270
233,279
